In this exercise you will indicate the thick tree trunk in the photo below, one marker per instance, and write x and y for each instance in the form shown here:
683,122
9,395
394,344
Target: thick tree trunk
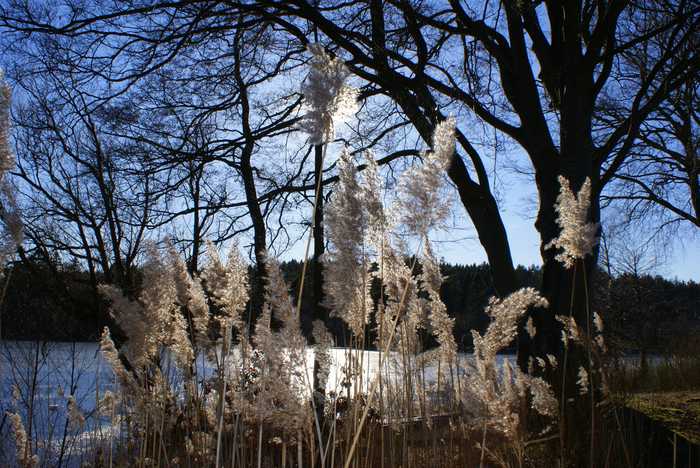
318,311
196,225
251,194
483,211
259,237
567,289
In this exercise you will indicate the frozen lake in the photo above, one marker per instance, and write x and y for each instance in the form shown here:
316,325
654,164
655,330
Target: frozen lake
42,376
56,370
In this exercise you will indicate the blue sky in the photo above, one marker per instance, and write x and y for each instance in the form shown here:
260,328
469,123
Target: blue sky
460,244
682,262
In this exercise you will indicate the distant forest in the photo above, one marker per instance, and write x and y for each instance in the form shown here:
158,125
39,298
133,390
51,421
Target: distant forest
641,312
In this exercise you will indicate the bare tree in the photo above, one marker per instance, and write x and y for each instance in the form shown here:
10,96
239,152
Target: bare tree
536,73
432,60
660,185
84,194
633,295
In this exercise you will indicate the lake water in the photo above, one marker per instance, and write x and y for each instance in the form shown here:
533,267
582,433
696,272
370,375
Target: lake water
78,369
51,372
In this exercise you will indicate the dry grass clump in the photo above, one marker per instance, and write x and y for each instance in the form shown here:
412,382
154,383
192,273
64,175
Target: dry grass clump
195,389
256,407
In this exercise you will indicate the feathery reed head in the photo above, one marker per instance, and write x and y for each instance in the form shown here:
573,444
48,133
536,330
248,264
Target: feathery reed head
441,323
346,261
227,285
501,396
328,98
421,205
578,236
22,443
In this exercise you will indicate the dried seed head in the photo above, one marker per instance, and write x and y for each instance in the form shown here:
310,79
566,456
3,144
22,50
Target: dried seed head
530,327
421,206
582,381
329,100
578,236
598,322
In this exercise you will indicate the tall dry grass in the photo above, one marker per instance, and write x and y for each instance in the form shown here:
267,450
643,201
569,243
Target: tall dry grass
258,408
193,388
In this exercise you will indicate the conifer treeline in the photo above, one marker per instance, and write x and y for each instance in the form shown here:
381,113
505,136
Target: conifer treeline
45,302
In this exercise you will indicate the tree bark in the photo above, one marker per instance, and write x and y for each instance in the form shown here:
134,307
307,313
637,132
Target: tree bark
251,195
259,237
194,181
483,211
318,310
